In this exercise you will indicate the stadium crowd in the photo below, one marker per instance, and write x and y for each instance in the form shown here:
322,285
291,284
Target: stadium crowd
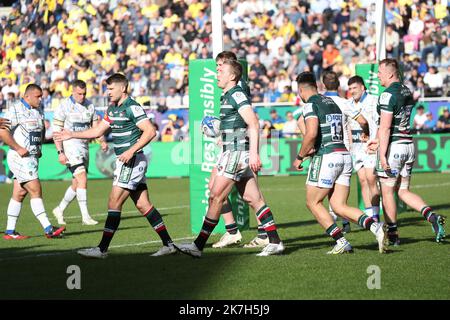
52,42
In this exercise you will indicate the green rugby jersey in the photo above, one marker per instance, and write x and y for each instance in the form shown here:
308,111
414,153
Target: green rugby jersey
330,137
232,125
398,100
123,121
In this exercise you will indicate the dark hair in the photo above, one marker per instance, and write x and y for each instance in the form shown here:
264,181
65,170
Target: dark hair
226,55
32,87
118,78
307,78
421,107
79,84
331,80
356,79
236,69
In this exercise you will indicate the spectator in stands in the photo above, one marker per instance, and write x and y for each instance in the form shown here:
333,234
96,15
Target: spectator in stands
181,129
434,83
392,41
166,82
173,99
443,123
10,87
430,124
272,94
419,119
290,128
3,105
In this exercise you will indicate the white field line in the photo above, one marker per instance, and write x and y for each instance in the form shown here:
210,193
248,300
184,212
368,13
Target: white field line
40,255
132,211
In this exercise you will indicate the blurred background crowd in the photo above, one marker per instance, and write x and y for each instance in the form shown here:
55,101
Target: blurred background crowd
52,42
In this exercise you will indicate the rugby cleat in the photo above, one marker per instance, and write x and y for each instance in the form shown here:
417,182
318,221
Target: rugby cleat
342,246
89,222
382,238
165,250
189,248
55,232
14,236
393,238
228,239
440,232
59,215
346,227
271,249
257,243
94,253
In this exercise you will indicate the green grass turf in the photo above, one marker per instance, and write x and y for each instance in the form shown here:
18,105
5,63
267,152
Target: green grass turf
36,268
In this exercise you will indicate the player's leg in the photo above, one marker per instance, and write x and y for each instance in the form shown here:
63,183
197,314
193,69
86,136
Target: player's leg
69,195
34,189
232,234
338,201
314,202
219,191
117,198
251,193
13,212
388,189
80,175
416,202
372,181
148,210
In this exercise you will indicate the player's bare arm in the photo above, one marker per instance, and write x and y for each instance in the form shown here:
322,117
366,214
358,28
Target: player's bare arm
364,126
91,133
312,130
7,138
383,135
148,133
4,123
252,122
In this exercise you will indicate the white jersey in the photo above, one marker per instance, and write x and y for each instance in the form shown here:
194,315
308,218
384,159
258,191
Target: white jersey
367,106
348,113
27,126
74,116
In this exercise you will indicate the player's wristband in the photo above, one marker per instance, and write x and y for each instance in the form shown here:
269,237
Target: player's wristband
60,152
298,157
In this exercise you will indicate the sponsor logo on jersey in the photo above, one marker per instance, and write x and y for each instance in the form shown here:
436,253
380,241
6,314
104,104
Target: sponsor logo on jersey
327,182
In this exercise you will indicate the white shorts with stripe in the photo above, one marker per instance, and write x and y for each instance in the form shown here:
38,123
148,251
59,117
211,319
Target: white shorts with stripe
234,165
131,175
362,159
400,157
77,157
327,169
24,169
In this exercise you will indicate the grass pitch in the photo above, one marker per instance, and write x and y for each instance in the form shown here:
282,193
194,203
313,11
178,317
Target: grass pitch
36,268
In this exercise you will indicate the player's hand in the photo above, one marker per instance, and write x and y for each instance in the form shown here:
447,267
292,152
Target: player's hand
62,135
22,152
310,153
385,164
126,156
104,146
4,123
62,159
364,137
298,164
255,162
372,146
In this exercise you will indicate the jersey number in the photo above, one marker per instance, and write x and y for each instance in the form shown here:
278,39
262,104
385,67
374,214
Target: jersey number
336,130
